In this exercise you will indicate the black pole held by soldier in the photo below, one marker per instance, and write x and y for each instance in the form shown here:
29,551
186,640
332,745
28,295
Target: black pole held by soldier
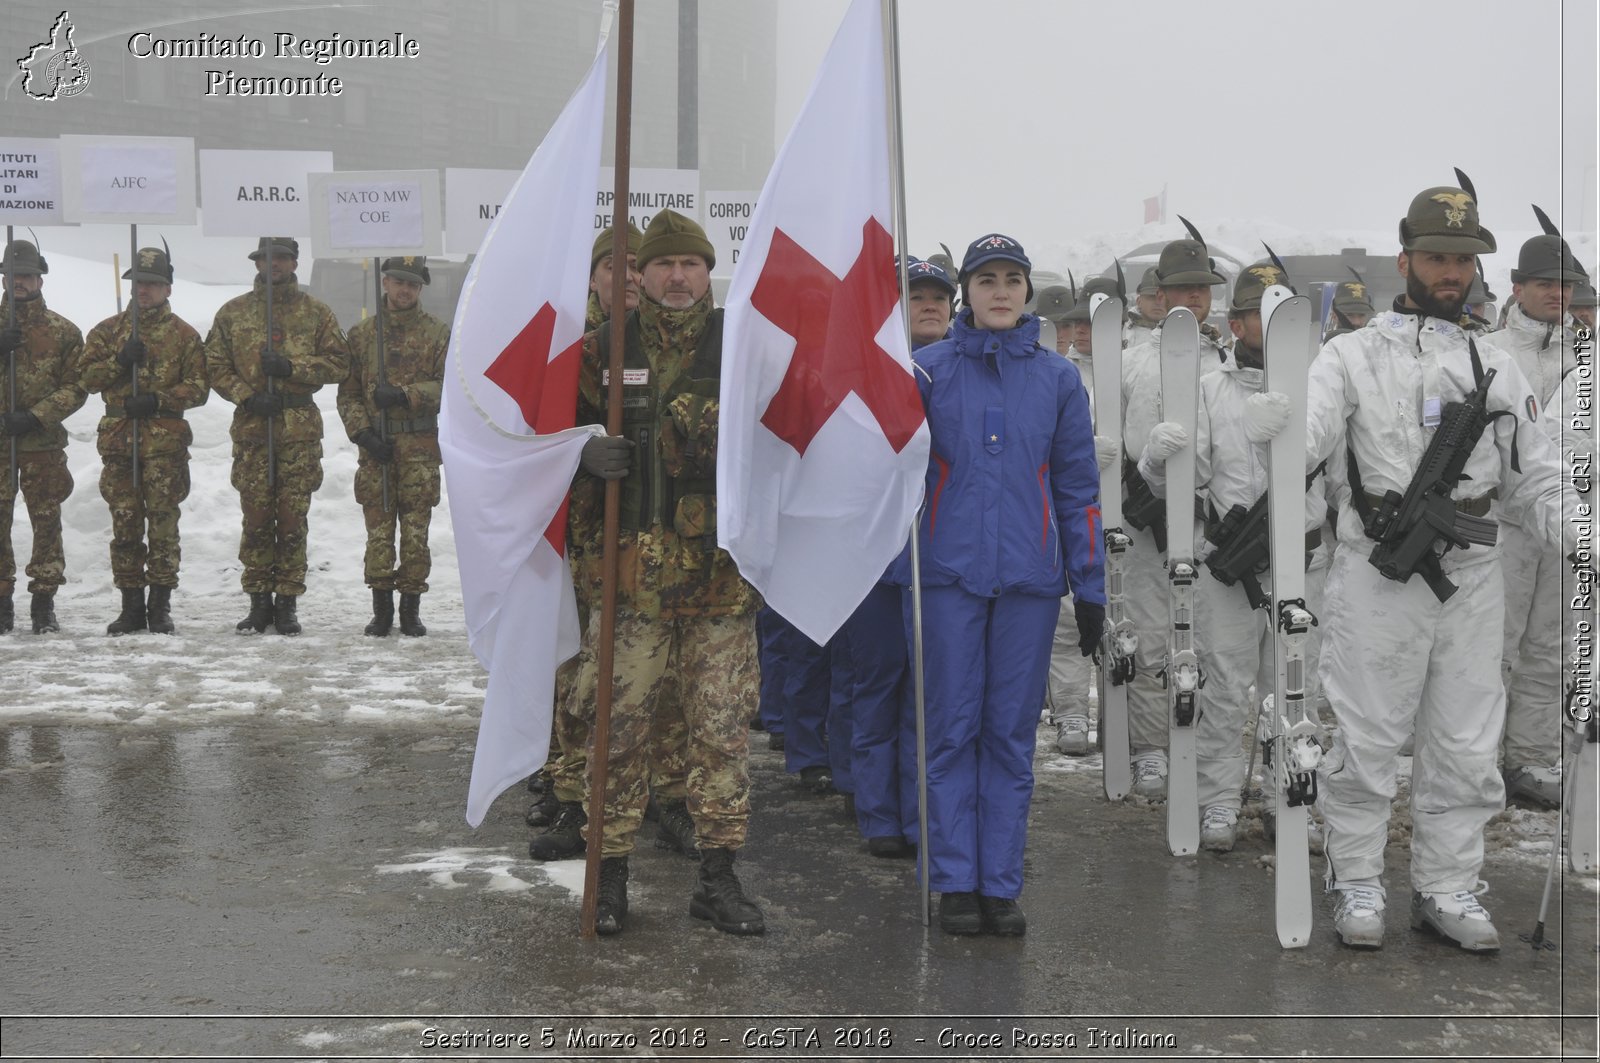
133,312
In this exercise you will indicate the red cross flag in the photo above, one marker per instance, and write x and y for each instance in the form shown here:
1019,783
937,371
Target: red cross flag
509,445
823,445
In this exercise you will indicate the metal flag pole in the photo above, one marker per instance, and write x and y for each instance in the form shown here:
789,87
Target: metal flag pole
383,376
605,650
116,277
272,442
11,356
133,312
891,36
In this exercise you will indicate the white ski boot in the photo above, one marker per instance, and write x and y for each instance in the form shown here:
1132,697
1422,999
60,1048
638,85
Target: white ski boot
1358,916
1218,827
1072,735
1150,775
1457,917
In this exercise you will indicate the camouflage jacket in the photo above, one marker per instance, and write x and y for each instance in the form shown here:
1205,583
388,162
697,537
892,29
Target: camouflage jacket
174,371
47,372
669,564
306,333
414,345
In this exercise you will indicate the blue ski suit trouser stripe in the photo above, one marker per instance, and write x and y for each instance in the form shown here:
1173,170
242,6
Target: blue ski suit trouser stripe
770,629
884,740
986,661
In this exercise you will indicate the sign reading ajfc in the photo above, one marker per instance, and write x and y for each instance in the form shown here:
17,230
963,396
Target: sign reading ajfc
54,68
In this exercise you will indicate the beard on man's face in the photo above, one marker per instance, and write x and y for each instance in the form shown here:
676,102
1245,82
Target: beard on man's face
1430,304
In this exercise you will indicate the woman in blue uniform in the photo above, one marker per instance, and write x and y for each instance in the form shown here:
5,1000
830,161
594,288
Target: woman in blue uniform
1011,523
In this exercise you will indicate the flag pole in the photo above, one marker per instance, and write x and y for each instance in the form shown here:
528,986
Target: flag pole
600,758
891,36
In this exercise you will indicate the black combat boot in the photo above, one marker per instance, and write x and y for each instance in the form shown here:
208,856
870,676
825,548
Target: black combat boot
611,899
675,829
544,809
410,624
284,619
721,899
260,614
44,614
158,614
382,613
563,839
132,617
8,614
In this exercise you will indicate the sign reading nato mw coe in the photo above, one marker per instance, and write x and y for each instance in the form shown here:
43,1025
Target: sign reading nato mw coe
127,180
374,213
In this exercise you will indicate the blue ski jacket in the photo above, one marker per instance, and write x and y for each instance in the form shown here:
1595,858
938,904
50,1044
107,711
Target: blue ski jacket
1012,503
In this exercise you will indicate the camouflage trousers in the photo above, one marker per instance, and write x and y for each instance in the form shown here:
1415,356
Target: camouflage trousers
704,669
145,513
46,483
413,492
272,544
568,764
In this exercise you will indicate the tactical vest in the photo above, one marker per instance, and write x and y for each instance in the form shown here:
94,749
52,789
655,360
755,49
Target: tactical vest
670,462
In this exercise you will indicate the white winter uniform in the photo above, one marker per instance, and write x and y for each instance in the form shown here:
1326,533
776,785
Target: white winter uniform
1394,658
1071,673
1145,581
1531,656
1236,640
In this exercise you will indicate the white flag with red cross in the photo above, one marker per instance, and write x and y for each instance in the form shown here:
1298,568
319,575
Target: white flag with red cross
509,445
823,444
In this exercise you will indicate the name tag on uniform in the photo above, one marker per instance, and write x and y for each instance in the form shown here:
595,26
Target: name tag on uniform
1430,412
630,377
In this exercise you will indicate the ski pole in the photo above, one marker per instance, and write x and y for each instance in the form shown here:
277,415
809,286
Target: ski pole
1570,775
272,448
133,311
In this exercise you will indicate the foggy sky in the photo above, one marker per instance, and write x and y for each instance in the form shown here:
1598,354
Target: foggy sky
1053,119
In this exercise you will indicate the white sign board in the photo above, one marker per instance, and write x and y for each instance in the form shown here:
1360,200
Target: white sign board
375,213
650,191
472,200
127,179
727,221
248,193
30,181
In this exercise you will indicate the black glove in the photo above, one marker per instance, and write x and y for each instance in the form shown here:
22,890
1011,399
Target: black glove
10,339
608,457
1091,625
382,450
132,353
20,423
387,395
276,365
263,405
140,405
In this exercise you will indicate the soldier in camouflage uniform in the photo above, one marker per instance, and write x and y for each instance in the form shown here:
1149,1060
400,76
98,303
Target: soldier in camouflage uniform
168,362
275,386
406,395
685,627
46,348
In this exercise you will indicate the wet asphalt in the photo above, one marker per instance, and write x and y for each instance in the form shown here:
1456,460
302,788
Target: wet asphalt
257,890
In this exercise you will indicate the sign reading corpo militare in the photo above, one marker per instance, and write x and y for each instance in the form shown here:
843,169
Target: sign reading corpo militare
246,193
127,179
727,220
30,181
650,191
373,213
472,201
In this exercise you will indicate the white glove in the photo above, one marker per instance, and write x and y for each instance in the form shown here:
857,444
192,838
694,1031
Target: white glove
1265,415
1166,439
1105,451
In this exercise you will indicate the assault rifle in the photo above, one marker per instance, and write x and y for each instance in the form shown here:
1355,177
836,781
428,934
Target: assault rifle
1406,526
1140,507
1244,546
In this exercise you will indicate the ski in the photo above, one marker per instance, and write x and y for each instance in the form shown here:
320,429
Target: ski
1120,642
1292,753
1180,396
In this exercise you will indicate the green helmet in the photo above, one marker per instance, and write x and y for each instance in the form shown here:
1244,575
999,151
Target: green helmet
1445,218
1546,258
1054,303
1252,284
